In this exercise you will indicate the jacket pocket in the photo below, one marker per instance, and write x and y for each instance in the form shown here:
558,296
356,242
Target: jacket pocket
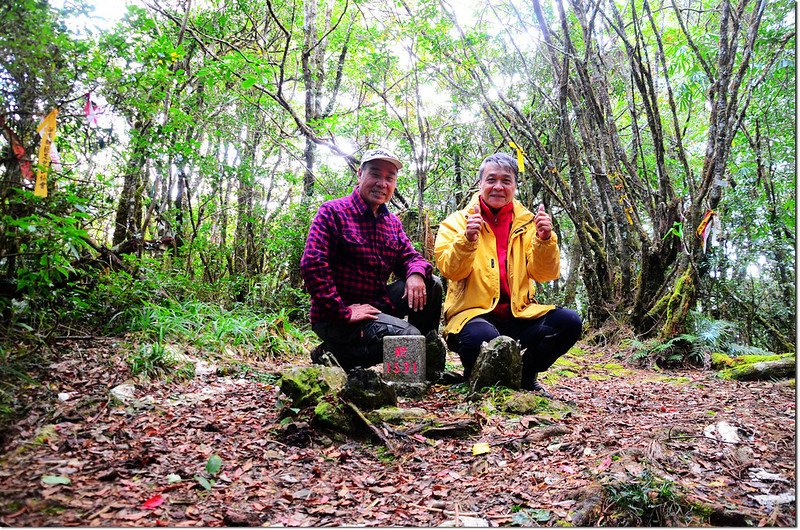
352,238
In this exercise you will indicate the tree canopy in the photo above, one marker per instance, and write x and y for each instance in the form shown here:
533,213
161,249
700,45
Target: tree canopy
222,125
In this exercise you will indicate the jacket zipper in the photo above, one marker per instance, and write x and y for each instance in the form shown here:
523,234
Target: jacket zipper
521,228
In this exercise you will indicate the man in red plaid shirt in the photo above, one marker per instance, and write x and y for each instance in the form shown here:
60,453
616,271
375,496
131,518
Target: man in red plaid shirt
353,245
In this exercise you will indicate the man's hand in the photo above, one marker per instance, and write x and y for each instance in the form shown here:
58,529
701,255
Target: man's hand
361,312
544,225
415,292
474,224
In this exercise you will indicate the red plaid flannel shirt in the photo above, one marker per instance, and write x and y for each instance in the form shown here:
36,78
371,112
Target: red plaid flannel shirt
350,254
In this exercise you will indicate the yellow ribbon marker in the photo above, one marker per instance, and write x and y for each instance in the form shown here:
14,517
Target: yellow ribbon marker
628,211
520,157
47,130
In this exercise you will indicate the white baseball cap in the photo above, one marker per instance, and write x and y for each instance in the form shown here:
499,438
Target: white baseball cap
381,154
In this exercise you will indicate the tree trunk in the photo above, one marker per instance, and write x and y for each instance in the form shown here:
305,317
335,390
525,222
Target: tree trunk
128,218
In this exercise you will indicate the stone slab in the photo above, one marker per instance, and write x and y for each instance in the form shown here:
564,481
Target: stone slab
404,359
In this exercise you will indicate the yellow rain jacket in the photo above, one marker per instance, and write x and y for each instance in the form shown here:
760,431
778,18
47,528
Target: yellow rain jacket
472,270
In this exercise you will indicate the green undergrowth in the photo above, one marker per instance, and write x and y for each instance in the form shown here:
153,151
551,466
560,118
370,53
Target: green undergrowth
232,337
239,330
248,371
501,400
162,315
576,351
157,360
647,501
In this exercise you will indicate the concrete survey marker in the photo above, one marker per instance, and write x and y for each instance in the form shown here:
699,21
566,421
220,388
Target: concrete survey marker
404,359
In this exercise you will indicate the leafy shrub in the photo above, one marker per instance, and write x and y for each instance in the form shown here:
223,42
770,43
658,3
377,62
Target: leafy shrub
48,244
285,241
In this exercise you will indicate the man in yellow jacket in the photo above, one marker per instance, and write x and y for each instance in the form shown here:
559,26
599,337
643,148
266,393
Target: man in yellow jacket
492,252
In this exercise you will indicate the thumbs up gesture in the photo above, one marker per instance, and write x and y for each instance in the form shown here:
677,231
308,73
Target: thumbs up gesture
544,225
474,224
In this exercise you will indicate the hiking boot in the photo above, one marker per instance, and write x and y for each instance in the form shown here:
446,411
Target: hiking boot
535,386
315,354
323,357
449,378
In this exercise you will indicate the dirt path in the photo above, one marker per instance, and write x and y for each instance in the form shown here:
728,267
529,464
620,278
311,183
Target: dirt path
136,465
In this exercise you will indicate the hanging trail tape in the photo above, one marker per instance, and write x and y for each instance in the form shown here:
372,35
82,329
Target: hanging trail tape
520,157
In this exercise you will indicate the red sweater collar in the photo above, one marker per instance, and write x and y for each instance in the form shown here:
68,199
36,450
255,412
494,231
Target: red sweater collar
488,212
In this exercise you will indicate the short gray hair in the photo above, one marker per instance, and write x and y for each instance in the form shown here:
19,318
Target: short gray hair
504,160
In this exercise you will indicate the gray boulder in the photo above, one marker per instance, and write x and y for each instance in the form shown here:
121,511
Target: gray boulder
367,390
499,363
435,356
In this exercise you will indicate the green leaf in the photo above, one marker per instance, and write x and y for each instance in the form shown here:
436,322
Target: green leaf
528,517
203,482
213,465
539,515
172,478
250,81
55,479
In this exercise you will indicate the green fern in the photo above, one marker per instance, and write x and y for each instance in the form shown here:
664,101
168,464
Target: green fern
712,333
706,336
737,350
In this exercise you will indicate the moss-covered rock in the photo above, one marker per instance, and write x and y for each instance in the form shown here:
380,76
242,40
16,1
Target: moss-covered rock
435,356
306,386
332,417
524,403
750,359
367,390
720,361
499,363
758,371
396,415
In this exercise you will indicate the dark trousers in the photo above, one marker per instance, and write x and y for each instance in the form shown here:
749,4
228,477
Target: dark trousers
544,339
361,344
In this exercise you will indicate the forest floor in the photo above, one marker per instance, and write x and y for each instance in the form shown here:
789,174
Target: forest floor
617,436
